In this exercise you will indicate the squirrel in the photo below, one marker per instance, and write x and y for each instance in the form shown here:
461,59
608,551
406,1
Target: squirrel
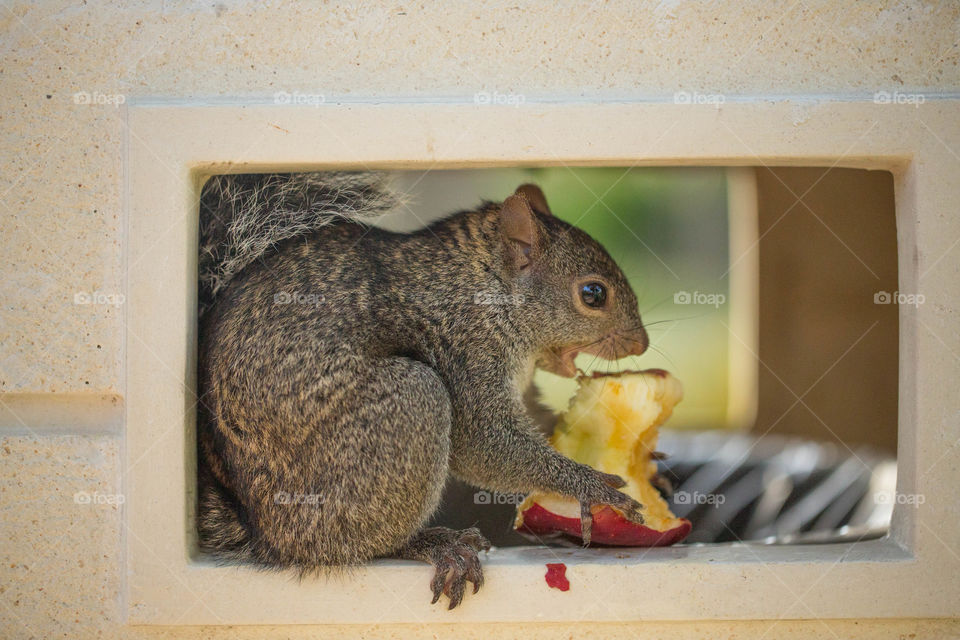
345,370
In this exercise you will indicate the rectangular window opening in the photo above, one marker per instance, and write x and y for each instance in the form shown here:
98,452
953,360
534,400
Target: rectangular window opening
771,294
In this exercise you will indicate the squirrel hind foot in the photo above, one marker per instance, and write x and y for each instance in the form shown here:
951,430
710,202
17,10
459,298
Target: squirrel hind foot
454,554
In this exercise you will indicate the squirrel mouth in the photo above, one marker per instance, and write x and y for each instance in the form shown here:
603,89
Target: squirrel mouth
560,361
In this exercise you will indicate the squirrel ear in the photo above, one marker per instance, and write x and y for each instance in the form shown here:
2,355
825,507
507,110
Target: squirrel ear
535,197
518,225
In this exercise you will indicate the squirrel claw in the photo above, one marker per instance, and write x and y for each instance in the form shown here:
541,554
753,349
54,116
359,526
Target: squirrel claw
603,490
612,480
454,554
437,584
474,571
454,588
633,513
452,575
586,523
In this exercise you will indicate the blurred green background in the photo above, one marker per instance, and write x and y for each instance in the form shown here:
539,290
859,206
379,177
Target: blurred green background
668,230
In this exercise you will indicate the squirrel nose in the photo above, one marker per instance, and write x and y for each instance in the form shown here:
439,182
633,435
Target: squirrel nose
637,341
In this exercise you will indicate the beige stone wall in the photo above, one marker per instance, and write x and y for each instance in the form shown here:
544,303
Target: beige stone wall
62,181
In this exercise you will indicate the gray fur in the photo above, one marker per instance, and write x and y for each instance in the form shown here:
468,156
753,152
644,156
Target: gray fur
243,216
364,366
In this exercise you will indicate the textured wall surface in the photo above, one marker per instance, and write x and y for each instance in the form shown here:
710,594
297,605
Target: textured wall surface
62,175
69,68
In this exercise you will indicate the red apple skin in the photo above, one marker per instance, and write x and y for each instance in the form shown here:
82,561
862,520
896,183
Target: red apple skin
609,528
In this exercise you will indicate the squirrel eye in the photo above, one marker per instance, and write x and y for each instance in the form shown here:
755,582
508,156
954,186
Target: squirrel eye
593,294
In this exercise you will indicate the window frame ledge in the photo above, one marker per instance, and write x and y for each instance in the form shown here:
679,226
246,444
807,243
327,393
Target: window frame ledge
172,146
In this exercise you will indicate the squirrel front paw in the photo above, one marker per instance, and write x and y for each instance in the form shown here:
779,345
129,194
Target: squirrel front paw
600,489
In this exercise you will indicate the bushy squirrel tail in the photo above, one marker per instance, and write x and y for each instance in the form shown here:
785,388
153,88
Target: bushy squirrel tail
222,533
242,216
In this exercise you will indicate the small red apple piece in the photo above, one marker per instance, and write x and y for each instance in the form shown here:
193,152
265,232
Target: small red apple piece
556,576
